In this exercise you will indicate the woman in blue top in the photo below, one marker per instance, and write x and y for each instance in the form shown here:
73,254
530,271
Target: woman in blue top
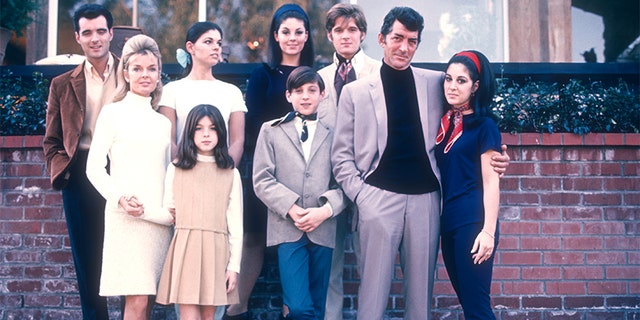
467,140
290,46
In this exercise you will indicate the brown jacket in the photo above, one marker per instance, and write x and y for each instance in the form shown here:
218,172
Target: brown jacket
65,115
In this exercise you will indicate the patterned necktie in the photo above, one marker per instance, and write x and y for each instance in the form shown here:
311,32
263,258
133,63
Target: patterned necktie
289,116
344,75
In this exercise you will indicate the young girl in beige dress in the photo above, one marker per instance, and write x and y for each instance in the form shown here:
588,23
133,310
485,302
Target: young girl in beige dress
203,190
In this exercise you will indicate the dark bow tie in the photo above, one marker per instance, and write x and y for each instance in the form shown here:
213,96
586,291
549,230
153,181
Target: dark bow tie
289,116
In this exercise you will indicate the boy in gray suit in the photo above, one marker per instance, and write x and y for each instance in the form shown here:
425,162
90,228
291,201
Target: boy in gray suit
292,176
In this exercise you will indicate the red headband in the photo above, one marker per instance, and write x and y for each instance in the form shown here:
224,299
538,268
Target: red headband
471,56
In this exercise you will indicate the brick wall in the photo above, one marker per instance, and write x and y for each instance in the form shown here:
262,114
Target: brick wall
569,246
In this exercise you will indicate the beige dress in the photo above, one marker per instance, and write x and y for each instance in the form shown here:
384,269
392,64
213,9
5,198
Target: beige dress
195,267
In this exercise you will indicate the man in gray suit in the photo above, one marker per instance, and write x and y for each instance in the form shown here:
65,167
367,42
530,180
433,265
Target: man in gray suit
346,27
383,157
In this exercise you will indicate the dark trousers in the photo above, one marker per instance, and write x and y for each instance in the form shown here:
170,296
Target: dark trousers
304,273
84,211
472,282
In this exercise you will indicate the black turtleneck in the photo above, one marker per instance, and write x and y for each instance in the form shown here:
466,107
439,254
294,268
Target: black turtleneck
404,166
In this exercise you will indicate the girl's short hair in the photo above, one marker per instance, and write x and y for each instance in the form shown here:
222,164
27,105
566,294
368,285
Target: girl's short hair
303,75
188,152
283,13
479,69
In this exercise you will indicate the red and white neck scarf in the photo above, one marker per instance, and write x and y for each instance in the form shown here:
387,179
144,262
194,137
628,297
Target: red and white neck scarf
457,126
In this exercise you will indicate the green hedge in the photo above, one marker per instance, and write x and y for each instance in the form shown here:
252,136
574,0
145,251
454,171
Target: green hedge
533,107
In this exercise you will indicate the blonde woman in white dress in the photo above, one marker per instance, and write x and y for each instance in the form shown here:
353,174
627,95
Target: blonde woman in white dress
136,140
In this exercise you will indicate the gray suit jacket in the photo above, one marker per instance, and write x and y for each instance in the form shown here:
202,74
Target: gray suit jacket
361,126
282,177
363,65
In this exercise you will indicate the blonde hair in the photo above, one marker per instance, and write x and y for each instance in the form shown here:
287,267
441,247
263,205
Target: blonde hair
138,44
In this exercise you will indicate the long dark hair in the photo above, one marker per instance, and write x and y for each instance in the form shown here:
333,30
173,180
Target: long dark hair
483,98
187,150
193,34
283,13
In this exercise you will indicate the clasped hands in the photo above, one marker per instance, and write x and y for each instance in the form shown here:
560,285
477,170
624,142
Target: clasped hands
307,220
131,205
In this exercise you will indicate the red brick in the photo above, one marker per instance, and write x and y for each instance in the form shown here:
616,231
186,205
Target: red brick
42,213
632,199
583,213
541,154
596,199
571,139
509,183
541,273
634,257
520,168
42,241
634,288
560,198
523,287
566,288
551,139
24,314
610,227
582,243
561,315
24,170
7,183
10,271
25,200
606,287
22,256
521,258
521,315
21,227
60,286
618,154
568,228
43,184
23,286
510,139
624,302
583,302
63,314
504,302
602,169
58,257
42,301
559,169
518,198
622,184
594,139
632,228
544,183
542,302
11,213
519,227
509,213
10,240
33,141
55,227
508,243
53,199
540,243
606,257
541,214
622,243
630,169
623,213
632,139
564,258
622,272
530,139
443,288
582,184
500,272
43,272
10,301
12,142
583,273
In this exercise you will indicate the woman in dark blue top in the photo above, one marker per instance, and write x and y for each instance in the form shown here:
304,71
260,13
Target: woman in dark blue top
467,140
290,46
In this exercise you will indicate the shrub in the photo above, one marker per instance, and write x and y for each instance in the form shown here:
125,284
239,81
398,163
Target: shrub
572,107
23,104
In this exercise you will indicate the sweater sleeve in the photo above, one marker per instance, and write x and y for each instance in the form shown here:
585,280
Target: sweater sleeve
234,223
103,138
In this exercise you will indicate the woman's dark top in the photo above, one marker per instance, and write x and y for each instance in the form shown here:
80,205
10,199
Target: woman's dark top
461,171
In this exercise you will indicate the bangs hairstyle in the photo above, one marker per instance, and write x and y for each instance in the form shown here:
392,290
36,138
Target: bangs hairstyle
91,11
482,100
193,34
409,18
142,45
303,75
283,13
188,152
346,11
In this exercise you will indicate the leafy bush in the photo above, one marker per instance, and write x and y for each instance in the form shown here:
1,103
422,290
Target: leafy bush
572,107
23,104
